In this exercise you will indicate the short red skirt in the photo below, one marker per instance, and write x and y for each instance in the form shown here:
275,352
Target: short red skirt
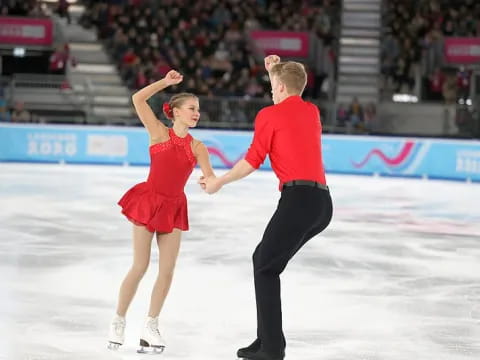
157,212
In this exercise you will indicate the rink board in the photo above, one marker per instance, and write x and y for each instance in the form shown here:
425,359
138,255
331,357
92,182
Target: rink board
368,155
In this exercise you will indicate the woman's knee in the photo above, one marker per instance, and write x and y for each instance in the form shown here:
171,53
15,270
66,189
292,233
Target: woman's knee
166,273
139,269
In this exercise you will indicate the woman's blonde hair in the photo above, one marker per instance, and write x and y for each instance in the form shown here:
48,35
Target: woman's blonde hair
175,102
292,74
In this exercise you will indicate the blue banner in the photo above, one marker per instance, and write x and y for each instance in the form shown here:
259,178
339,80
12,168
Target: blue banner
409,157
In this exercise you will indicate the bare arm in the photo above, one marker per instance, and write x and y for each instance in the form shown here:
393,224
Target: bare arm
154,126
203,159
239,171
254,157
212,184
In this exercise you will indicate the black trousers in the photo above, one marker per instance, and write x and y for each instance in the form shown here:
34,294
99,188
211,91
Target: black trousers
302,213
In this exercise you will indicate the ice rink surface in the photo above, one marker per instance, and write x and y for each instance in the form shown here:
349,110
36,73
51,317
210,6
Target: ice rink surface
396,276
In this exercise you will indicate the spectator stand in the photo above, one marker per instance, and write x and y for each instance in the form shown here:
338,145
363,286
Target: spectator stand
206,42
26,61
414,44
422,64
357,92
35,71
49,98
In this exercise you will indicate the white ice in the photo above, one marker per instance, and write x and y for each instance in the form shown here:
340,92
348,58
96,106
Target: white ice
394,277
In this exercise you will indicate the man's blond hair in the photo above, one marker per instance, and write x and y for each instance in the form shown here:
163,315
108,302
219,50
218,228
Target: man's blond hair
292,74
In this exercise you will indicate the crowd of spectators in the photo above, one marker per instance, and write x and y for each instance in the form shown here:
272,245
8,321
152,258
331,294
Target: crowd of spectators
413,42
448,85
31,8
206,40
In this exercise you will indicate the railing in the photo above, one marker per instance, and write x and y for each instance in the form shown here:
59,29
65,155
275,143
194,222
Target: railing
49,96
47,91
53,92
229,112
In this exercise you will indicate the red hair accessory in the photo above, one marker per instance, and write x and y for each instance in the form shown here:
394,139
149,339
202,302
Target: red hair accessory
167,110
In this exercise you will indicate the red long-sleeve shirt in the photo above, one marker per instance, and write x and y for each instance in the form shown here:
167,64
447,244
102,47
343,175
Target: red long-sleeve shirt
290,132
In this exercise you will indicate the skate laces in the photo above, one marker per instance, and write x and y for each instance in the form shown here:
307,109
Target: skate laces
119,326
153,327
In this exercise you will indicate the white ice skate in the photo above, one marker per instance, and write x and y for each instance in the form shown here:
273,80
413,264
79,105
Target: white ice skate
151,341
116,336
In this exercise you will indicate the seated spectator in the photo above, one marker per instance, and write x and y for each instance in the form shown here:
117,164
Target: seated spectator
437,79
342,115
370,117
4,114
129,65
20,114
355,114
449,90
463,82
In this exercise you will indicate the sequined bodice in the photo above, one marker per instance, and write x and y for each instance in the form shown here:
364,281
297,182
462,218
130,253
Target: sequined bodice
171,164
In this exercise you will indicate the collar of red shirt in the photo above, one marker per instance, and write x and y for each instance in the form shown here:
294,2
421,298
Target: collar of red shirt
292,98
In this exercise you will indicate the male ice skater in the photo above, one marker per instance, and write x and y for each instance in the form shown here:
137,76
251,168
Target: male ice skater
290,133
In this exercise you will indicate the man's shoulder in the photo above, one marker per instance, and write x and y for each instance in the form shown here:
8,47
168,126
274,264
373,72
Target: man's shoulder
313,106
265,113
267,109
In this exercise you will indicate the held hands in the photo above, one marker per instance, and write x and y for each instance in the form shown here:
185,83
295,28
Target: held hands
210,184
271,60
173,78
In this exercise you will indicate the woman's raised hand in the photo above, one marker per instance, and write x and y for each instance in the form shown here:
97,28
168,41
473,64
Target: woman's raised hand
173,78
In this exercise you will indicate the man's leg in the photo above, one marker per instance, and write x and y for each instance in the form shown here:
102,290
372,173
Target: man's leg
299,212
322,222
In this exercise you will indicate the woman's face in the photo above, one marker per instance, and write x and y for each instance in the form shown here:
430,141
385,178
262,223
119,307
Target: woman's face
188,113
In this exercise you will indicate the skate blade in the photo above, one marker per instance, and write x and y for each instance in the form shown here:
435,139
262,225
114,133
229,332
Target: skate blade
151,350
113,346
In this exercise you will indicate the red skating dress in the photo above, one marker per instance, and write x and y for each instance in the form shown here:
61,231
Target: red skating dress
160,203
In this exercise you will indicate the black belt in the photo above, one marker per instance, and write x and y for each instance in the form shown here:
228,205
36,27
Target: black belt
305,183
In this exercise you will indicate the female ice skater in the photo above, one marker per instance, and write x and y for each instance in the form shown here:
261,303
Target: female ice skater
159,205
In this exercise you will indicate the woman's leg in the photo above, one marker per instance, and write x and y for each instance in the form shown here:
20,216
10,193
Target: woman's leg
142,243
168,246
